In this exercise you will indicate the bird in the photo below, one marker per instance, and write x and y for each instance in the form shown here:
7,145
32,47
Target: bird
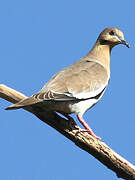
78,87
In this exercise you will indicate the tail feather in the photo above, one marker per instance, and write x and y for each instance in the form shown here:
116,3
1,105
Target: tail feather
23,103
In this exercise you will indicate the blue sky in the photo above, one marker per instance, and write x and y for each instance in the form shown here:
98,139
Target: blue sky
39,38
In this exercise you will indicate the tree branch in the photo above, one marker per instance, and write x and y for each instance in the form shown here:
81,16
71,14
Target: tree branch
96,148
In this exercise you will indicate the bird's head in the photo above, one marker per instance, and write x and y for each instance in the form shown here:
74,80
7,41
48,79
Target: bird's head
112,37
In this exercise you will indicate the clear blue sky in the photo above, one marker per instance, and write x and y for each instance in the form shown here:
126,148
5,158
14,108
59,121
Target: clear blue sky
37,39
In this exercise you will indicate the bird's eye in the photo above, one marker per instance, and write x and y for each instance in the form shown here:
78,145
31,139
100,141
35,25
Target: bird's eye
112,33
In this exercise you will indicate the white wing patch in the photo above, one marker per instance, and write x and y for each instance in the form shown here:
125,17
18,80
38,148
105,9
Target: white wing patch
87,95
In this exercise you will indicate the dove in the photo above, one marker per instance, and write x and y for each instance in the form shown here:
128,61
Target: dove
78,87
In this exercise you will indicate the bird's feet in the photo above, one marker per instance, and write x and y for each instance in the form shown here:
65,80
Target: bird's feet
71,121
87,127
91,133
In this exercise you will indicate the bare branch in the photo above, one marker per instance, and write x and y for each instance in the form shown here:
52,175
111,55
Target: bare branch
96,148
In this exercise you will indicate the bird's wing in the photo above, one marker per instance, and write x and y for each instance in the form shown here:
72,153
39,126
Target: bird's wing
84,79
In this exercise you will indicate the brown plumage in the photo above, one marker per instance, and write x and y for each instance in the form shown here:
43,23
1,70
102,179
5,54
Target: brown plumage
78,87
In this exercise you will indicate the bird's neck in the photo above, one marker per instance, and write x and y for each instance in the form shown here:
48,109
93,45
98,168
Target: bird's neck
101,54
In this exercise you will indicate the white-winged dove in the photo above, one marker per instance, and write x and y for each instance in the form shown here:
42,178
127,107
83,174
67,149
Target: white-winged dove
78,87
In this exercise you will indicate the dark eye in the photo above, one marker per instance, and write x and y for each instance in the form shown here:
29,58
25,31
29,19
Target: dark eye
112,33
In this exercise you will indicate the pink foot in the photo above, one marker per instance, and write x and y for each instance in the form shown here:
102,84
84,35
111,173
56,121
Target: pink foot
87,127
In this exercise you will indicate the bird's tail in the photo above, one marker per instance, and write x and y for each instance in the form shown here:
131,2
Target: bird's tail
23,103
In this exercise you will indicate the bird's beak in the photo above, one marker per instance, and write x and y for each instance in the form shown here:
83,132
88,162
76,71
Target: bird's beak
124,42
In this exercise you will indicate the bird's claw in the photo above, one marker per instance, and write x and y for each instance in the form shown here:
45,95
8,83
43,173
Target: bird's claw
89,132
